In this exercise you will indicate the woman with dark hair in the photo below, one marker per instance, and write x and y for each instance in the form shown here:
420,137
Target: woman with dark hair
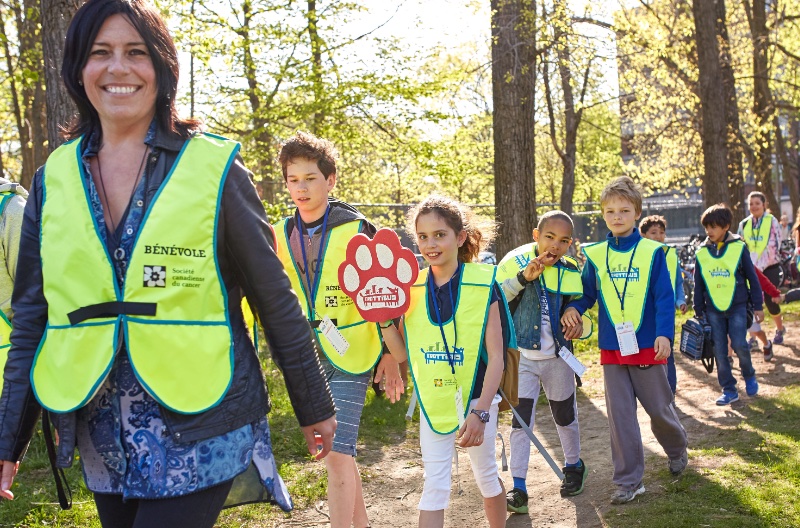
140,238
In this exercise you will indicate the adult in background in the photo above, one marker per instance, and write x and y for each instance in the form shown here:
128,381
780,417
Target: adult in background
140,237
762,233
12,204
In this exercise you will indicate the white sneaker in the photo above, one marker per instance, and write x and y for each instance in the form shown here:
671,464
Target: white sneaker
622,496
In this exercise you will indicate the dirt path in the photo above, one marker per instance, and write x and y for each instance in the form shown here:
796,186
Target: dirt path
393,476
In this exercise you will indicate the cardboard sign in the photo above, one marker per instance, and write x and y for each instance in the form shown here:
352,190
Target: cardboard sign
377,274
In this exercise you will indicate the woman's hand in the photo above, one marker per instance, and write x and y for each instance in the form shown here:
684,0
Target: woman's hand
325,429
8,470
471,433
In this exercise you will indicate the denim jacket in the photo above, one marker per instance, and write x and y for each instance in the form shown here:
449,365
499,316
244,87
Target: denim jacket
527,313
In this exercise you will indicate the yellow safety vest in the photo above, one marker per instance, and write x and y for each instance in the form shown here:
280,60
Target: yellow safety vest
5,324
719,272
517,260
638,278
757,240
364,337
172,308
434,381
672,266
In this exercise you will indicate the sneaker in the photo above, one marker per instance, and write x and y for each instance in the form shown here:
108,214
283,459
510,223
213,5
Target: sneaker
622,496
768,355
677,465
754,347
574,477
517,501
728,397
750,385
778,339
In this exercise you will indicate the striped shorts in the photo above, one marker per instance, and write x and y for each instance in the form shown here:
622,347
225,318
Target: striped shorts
349,392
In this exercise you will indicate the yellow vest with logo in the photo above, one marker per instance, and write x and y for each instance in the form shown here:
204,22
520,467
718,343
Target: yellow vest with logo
638,278
434,381
364,337
183,352
719,273
757,239
518,259
5,324
672,265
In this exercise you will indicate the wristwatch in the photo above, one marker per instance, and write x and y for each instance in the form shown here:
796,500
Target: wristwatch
482,415
521,278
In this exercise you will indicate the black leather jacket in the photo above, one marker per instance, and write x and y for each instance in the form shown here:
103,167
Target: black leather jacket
248,265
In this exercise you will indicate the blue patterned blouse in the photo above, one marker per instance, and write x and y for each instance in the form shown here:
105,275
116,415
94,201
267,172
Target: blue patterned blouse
124,445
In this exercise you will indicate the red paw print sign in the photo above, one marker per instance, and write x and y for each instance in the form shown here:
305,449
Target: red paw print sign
377,274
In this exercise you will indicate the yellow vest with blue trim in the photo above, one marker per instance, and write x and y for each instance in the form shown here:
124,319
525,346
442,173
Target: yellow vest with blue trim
5,324
517,260
183,352
719,273
672,265
434,381
364,337
757,239
638,278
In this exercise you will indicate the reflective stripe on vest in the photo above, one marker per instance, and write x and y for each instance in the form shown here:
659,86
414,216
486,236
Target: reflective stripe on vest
672,266
363,336
638,278
719,273
434,381
5,324
757,239
183,355
518,259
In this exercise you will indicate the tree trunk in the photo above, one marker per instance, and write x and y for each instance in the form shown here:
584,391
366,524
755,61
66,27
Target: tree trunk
791,172
316,64
32,91
56,16
762,103
23,133
712,104
513,90
732,137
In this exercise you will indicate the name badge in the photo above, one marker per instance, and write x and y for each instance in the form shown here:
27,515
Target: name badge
460,408
334,337
573,362
626,337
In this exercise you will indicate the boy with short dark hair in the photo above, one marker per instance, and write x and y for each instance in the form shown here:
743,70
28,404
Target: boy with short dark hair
725,282
318,234
539,280
654,227
629,275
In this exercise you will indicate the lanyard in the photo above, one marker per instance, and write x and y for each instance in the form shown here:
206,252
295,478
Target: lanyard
431,288
561,272
627,274
313,287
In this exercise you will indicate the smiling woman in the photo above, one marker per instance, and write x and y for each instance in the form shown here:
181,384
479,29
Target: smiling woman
141,237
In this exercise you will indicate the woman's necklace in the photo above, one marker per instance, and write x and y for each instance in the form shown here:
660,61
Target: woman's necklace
133,190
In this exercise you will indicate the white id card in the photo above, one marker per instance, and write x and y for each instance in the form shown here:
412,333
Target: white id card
573,362
334,337
460,408
626,336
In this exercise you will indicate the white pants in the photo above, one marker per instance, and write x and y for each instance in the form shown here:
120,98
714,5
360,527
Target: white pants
437,457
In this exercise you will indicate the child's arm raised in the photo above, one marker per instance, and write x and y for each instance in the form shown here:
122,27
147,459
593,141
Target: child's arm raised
471,433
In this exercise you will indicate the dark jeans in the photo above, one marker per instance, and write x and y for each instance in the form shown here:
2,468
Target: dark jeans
196,510
732,323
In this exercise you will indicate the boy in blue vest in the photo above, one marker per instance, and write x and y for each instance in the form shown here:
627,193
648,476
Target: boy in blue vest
629,275
655,228
725,283
539,281
314,246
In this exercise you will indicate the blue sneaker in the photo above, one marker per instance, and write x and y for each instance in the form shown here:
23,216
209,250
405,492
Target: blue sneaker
778,339
750,385
729,397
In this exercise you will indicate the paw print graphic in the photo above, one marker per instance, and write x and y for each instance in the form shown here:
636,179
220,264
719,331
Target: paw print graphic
377,274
